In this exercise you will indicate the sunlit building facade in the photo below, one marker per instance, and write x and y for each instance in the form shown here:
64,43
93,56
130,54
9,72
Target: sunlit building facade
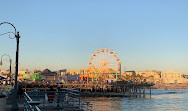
73,72
151,76
173,77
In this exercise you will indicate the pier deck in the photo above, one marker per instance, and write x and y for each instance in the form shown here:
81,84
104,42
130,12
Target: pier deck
120,89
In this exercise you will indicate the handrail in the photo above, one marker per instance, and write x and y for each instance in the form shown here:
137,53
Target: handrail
67,96
31,108
28,96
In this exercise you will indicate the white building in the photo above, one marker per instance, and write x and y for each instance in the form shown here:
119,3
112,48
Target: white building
173,77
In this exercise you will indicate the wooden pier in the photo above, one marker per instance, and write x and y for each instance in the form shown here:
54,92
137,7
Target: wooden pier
120,89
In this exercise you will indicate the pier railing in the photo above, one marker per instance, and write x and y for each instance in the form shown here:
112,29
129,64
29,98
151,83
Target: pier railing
67,99
28,106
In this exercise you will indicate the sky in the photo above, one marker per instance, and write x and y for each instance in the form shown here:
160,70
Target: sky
59,34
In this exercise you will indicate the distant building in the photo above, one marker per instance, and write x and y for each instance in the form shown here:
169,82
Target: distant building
151,76
21,74
73,78
49,76
173,77
73,72
62,75
130,73
185,76
37,71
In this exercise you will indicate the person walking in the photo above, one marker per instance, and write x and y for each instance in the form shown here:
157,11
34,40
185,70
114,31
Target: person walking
51,94
20,91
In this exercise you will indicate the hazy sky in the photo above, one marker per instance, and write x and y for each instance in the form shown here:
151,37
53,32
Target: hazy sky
57,34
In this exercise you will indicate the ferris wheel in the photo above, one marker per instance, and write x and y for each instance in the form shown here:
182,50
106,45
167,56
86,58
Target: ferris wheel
104,59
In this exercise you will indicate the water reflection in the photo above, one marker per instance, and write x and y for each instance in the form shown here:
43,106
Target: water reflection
105,104
161,100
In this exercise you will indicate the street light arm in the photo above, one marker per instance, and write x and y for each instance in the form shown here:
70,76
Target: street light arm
10,24
2,58
5,55
9,32
7,60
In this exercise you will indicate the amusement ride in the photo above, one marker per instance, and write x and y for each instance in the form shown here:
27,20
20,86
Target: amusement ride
104,66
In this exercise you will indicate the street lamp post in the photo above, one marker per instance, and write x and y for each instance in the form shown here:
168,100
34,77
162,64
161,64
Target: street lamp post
15,97
10,60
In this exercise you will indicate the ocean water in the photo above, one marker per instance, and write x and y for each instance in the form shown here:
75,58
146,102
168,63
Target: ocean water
160,100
